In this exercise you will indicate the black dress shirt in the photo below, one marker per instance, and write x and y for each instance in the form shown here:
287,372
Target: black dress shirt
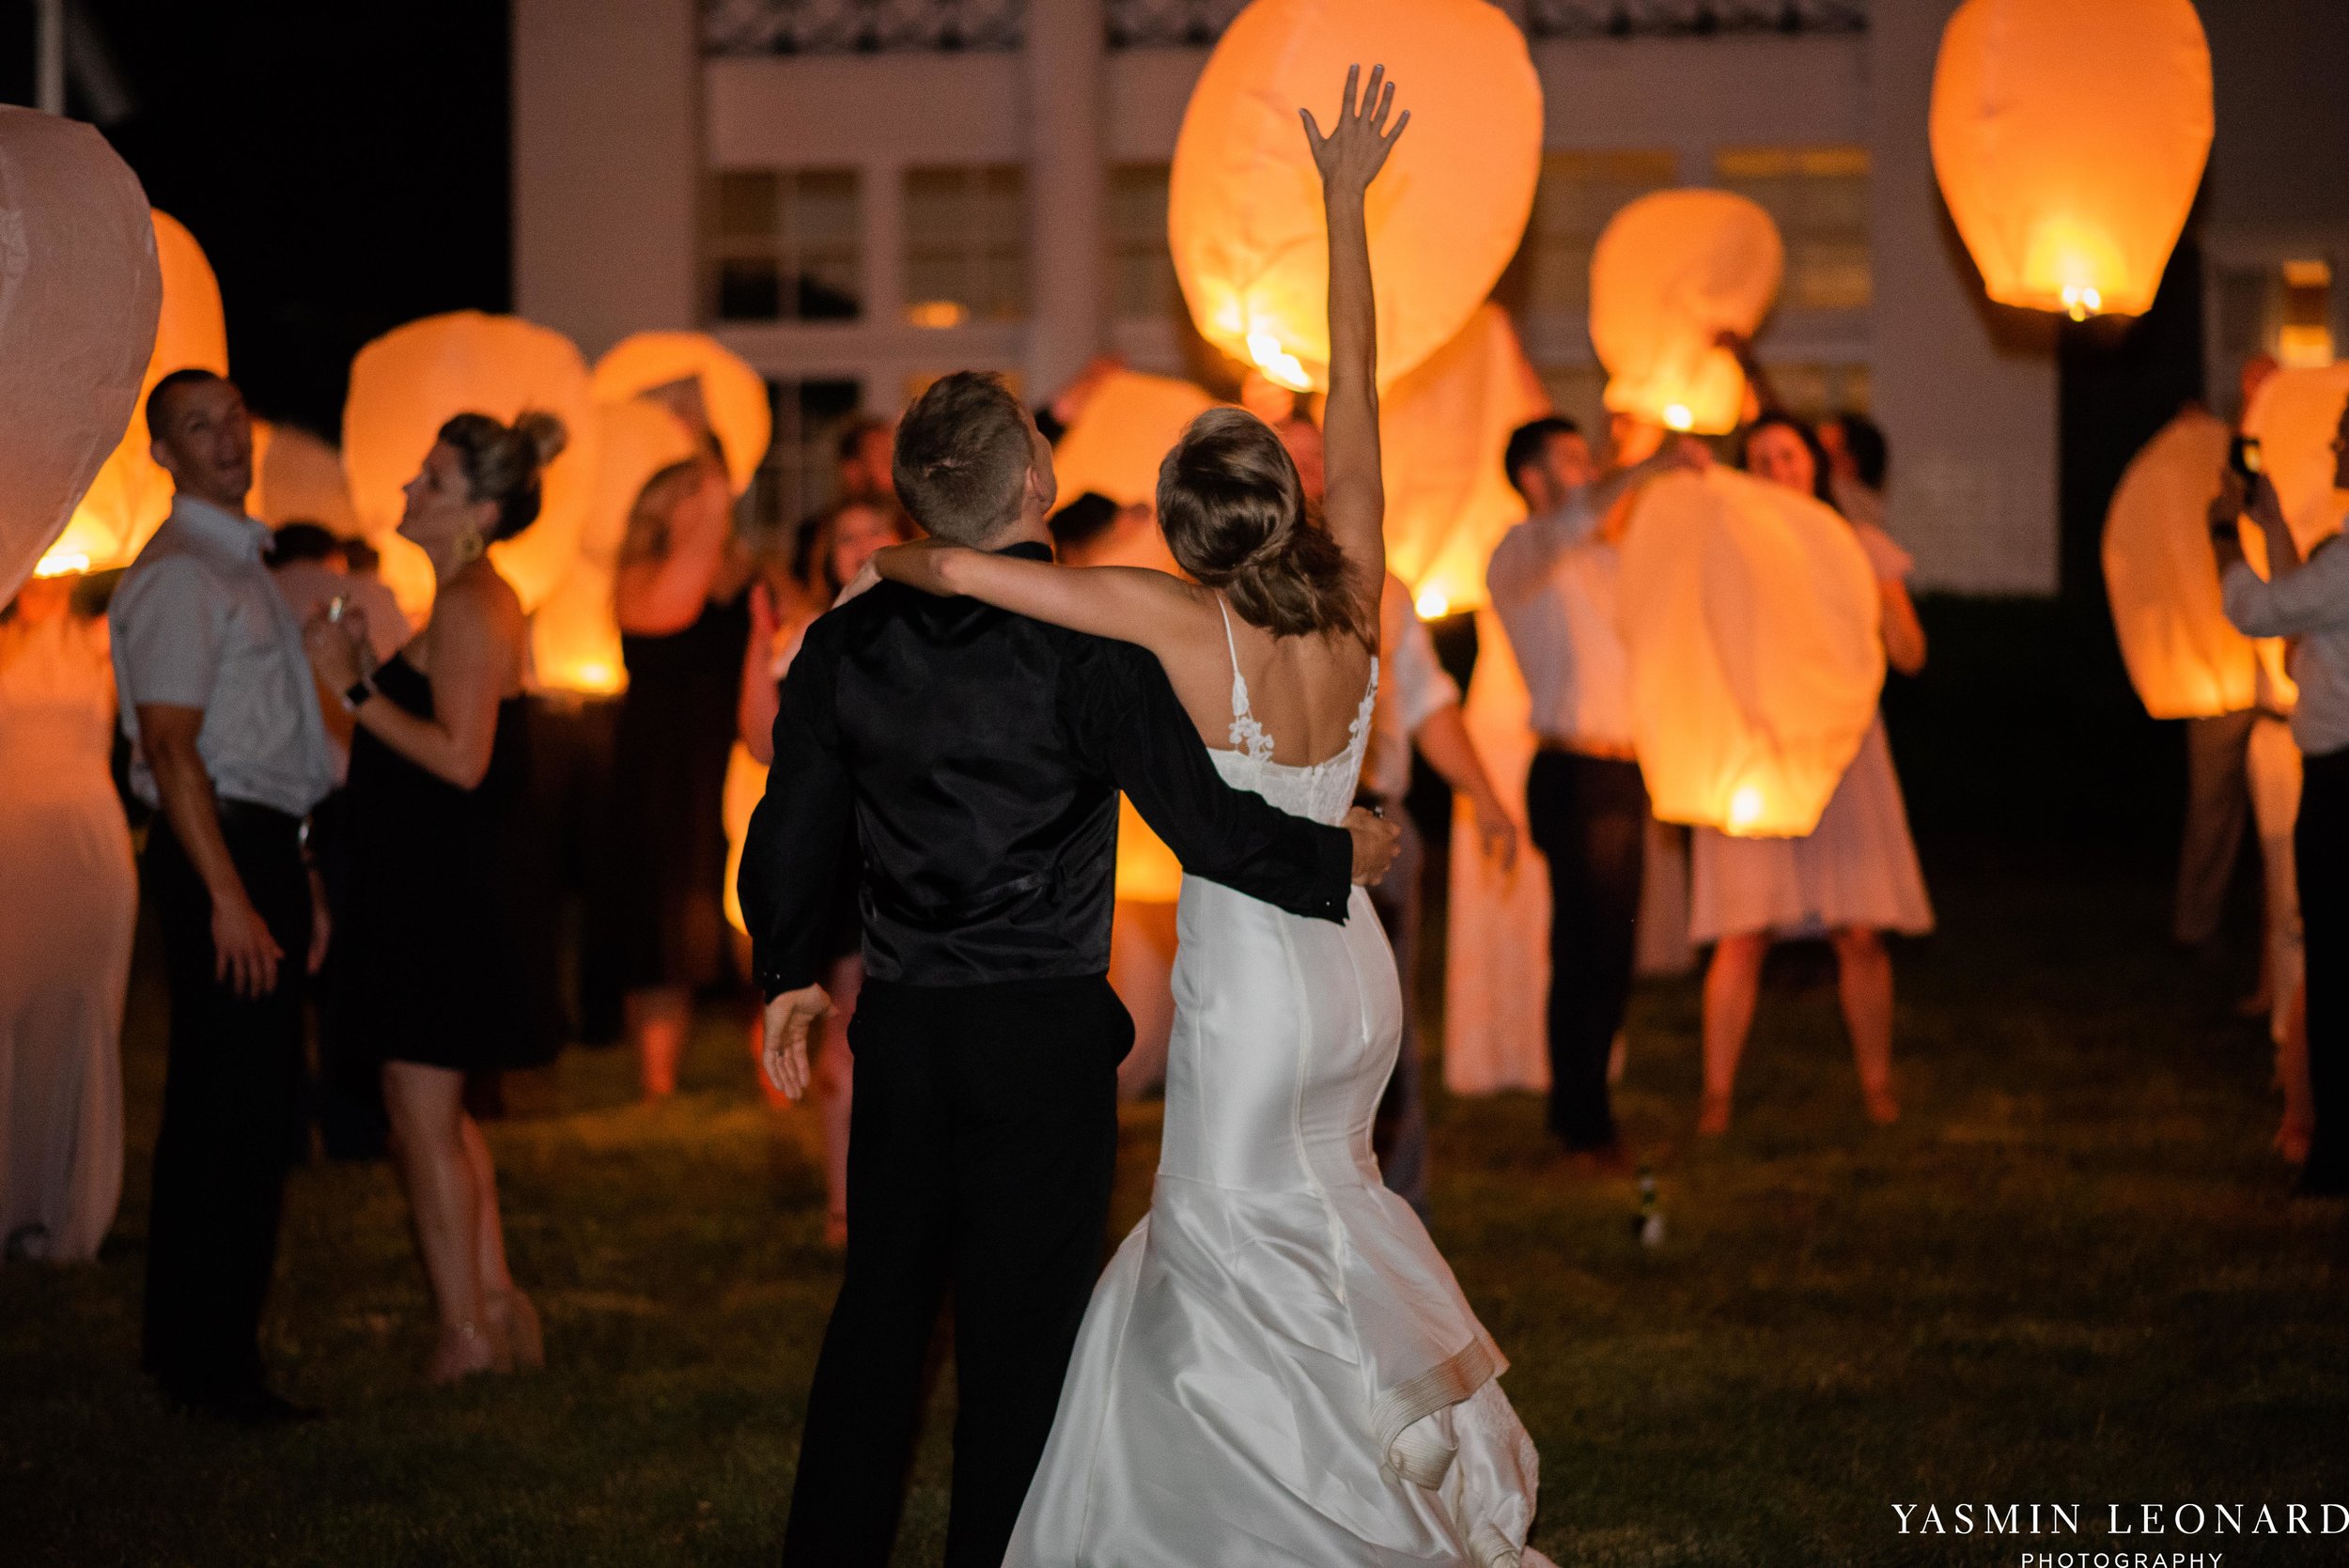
976,755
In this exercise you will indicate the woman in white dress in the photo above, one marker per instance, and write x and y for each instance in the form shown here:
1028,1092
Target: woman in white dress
64,929
1278,1366
1854,878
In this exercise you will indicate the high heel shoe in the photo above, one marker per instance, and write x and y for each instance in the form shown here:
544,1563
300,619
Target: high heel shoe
516,1321
464,1349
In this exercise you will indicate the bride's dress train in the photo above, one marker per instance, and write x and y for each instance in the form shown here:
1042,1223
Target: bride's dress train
1278,1367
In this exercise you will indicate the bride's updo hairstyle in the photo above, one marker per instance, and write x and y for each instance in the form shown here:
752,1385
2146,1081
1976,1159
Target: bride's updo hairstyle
1233,513
504,462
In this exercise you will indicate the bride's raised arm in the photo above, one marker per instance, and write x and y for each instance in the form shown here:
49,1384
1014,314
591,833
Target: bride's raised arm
1130,604
1354,500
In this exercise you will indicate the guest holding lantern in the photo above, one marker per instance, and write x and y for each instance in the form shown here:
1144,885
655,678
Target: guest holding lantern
837,547
2308,601
229,746
1552,579
65,937
447,969
684,618
1854,878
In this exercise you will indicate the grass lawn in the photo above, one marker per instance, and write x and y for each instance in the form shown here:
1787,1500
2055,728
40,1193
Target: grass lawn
2069,1276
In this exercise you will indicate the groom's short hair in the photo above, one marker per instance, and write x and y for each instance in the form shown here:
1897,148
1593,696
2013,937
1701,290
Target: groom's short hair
962,457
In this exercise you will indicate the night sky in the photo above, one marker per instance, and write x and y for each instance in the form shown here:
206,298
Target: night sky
345,164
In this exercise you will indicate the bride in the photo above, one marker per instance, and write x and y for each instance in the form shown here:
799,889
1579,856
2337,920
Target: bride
1278,1366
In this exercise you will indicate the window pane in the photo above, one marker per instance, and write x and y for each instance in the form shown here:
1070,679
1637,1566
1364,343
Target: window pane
747,205
1142,268
966,242
1818,197
748,289
1580,191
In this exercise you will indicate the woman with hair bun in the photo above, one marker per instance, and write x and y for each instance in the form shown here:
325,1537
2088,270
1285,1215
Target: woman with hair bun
1277,1299
444,971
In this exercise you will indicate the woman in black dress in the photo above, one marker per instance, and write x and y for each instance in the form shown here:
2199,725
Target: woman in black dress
681,603
443,970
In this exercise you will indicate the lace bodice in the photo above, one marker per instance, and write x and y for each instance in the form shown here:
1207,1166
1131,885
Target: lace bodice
1321,791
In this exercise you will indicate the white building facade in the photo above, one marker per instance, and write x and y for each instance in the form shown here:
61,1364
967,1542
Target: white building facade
860,195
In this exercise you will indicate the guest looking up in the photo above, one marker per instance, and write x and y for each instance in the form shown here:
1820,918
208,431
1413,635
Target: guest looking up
1552,579
684,618
2308,601
1852,879
2217,780
227,744
447,969
64,929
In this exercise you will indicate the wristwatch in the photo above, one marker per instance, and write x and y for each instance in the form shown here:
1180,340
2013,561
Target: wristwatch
358,691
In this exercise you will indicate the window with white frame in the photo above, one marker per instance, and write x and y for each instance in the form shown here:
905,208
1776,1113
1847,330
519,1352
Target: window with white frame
1579,193
1141,268
965,232
785,245
1818,197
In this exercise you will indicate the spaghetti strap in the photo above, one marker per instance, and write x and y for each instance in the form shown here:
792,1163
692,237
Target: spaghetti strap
1246,734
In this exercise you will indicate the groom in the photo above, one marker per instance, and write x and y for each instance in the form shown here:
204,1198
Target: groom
976,757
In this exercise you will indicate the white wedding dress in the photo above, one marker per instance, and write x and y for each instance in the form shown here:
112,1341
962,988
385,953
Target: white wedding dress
1278,1367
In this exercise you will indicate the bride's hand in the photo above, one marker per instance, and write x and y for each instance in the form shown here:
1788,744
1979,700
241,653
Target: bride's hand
1351,155
867,577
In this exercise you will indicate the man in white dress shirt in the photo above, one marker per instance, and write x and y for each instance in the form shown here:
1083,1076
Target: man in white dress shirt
1418,709
228,745
1552,580
2309,602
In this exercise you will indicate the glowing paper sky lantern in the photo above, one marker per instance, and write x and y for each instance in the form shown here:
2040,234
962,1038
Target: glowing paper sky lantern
574,636
298,477
1750,617
1125,429
2294,416
1244,215
410,381
2162,578
1670,273
131,494
733,397
79,294
1441,429
2069,137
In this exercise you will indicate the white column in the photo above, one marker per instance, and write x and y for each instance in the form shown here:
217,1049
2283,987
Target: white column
1965,391
607,166
1068,241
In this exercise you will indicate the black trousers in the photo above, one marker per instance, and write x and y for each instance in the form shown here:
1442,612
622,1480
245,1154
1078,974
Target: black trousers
981,1151
232,1087
2320,850
1588,816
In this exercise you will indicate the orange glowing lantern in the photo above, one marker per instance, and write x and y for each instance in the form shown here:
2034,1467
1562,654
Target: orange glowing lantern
131,494
1442,428
1670,273
2184,657
1244,212
2069,137
575,636
1127,428
298,477
702,382
2296,415
80,290
406,384
1752,618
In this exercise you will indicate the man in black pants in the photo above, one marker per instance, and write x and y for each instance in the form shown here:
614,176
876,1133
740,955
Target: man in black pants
1552,580
976,756
229,746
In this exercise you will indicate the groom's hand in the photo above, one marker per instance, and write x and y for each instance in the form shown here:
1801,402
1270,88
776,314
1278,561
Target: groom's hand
789,1017
1375,844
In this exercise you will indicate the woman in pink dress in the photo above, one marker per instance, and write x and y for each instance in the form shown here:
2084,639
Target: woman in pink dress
64,929
1854,878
